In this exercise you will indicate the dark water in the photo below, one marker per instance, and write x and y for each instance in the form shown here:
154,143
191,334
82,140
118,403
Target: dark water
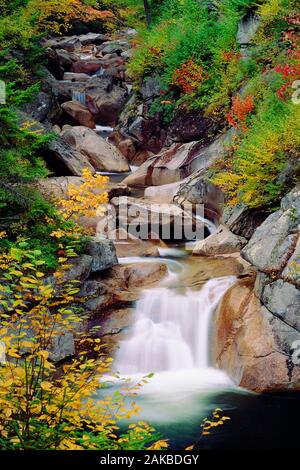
257,422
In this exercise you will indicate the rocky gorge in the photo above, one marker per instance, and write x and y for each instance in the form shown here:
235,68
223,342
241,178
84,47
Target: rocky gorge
87,100
149,224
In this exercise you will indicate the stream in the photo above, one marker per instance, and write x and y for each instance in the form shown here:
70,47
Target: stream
170,337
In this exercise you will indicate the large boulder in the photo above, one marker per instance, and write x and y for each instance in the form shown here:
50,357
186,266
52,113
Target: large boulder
274,241
117,46
148,133
63,159
103,254
92,38
143,219
254,347
68,43
86,66
242,220
79,268
57,187
151,87
164,193
178,162
145,273
283,300
101,154
105,100
221,242
197,190
80,113
190,125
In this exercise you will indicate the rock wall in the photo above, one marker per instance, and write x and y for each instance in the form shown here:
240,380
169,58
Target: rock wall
257,326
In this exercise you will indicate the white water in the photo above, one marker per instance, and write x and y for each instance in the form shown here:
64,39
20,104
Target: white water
171,333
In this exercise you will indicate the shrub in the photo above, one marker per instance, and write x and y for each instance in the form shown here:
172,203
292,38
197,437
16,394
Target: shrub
41,407
262,154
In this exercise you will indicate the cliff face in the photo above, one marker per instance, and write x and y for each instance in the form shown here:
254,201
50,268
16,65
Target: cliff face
257,327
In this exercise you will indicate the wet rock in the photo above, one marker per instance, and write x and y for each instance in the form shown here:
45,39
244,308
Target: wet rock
90,288
145,273
242,220
149,133
70,44
247,29
79,113
101,154
66,90
58,61
141,157
42,107
128,245
251,345
62,347
221,242
125,145
178,162
163,194
111,47
103,254
114,326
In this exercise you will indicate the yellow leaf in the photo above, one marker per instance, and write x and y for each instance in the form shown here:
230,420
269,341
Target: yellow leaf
46,385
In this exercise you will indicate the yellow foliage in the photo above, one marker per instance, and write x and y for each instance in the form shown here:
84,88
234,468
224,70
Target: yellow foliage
45,408
86,199
56,15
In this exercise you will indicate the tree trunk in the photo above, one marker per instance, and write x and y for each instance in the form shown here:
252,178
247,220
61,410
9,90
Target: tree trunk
148,12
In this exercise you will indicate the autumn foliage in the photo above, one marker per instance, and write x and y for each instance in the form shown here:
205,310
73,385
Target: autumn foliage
56,16
188,77
240,110
87,198
42,407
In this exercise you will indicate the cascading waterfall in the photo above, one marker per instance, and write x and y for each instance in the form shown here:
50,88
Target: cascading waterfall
171,330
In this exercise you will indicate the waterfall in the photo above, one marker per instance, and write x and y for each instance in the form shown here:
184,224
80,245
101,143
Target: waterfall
79,96
171,330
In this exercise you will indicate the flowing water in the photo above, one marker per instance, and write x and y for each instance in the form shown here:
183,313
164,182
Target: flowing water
171,330
171,338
